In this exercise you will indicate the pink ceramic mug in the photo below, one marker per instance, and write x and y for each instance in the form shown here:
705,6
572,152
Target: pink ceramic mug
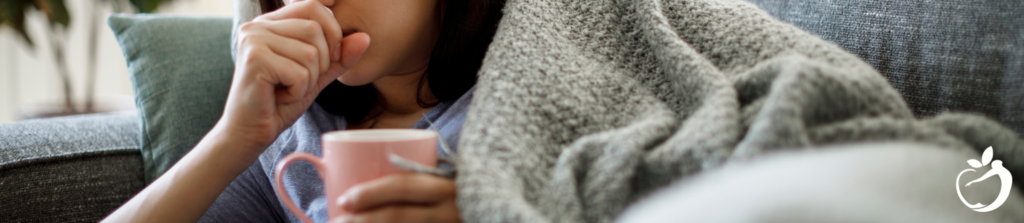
355,156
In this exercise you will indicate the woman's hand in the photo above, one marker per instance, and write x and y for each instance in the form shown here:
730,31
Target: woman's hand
285,58
401,198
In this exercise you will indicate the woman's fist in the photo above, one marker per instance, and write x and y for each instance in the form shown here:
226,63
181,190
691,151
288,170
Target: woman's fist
285,58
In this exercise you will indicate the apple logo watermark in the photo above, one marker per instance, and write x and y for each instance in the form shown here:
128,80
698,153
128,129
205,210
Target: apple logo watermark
1005,179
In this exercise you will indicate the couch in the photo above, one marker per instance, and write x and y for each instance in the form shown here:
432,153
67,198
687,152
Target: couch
965,56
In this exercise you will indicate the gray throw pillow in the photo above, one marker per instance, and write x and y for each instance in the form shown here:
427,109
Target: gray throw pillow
181,71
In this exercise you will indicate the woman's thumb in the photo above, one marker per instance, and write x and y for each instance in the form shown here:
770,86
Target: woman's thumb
352,48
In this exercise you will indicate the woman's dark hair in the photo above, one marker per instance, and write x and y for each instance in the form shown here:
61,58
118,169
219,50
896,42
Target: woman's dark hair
466,31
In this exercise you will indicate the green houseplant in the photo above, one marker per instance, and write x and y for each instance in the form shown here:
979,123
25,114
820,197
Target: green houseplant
13,15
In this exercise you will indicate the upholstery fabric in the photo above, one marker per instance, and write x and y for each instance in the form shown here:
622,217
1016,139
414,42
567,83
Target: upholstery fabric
180,70
583,107
31,140
947,55
68,169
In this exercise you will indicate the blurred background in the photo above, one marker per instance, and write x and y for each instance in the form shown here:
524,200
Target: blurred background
32,79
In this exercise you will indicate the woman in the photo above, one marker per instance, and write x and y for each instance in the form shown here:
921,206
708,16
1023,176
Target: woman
422,59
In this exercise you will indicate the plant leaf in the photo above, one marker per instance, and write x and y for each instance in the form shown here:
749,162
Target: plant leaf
146,6
974,163
55,11
6,10
58,12
986,157
12,14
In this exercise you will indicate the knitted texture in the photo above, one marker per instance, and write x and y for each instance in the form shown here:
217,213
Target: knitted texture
584,106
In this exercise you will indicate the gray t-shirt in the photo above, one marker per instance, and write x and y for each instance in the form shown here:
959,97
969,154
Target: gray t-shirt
251,197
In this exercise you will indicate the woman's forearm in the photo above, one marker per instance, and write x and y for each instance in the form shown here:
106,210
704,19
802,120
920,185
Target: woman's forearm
184,192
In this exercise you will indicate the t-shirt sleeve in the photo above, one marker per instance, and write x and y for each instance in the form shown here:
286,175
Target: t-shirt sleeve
249,198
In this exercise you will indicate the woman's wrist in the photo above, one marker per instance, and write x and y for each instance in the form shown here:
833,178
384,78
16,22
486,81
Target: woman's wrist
231,139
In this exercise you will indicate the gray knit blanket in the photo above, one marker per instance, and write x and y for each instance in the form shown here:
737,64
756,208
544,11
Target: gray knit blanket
584,106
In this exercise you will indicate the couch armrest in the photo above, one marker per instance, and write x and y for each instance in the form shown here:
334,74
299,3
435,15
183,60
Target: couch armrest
69,169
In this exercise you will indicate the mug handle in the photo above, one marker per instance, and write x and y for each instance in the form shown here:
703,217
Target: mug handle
279,180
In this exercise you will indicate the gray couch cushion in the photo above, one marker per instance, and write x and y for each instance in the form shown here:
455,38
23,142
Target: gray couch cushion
31,140
75,189
68,169
951,55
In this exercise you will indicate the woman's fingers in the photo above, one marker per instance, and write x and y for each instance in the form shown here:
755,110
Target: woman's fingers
298,51
306,31
351,49
398,189
286,38
314,11
337,53
446,211
256,36
280,72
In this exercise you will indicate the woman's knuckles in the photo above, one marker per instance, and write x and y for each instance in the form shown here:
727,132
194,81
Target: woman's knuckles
310,57
313,30
251,56
250,27
255,50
